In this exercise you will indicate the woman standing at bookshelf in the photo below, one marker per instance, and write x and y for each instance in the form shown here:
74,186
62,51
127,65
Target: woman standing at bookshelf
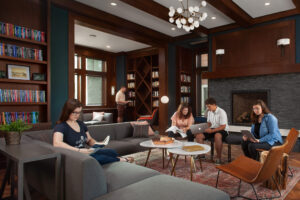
183,119
72,134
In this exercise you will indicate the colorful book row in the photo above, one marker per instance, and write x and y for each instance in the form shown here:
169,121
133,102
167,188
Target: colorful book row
21,32
185,99
7,95
20,52
28,117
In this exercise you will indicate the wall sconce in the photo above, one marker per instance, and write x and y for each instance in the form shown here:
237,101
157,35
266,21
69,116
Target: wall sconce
283,42
219,53
112,90
164,99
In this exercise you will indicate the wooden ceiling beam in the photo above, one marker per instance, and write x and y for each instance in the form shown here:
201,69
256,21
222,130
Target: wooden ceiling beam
230,9
153,8
123,27
297,4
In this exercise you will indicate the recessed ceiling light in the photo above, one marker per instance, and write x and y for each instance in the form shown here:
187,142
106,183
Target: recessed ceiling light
267,3
93,35
173,29
113,4
107,46
213,18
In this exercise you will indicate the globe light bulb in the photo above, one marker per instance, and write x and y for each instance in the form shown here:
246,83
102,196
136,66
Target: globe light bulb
203,3
196,9
204,15
177,21
179,25
196,23
191,9
190,20
171,20
179,10
171,14
171,8
183,20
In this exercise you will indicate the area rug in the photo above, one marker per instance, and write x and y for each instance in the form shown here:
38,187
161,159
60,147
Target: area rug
227,183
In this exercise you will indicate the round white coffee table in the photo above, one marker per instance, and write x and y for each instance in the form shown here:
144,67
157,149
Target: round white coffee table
149,144
181,152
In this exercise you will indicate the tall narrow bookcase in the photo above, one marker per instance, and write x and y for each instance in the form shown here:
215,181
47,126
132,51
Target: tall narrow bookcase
145,84
35,16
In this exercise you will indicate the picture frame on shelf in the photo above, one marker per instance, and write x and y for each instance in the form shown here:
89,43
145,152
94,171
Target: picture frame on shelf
19,72
2,74
38,77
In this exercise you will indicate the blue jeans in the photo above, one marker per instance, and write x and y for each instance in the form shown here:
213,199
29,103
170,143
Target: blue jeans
105,156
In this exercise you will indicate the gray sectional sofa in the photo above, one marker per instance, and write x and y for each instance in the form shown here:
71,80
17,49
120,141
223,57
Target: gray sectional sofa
83,178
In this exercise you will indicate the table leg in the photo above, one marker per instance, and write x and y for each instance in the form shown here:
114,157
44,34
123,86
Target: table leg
20,180
163,158
12,180
173,169
200,165
192,164
6,178
57,177
149,152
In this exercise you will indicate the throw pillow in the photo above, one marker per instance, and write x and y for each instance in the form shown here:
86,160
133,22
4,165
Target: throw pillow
98,116
140,130
150,131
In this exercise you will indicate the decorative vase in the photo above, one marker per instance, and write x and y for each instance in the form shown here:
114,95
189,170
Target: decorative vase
12,137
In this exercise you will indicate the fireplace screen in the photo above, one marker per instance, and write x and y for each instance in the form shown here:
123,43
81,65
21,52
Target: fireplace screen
242,102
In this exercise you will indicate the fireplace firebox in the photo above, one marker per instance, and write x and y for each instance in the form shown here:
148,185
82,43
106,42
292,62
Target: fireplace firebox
242,102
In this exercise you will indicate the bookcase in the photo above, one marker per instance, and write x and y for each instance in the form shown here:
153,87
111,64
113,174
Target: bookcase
185,87
185,73
25,42
143,82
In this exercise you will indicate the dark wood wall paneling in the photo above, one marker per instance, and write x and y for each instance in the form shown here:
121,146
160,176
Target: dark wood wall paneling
111,72
254,51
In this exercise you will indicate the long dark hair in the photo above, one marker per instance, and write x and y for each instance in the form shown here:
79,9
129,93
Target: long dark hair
180,109
69,107
265,110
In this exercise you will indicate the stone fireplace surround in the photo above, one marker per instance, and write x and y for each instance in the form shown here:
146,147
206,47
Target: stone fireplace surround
283,93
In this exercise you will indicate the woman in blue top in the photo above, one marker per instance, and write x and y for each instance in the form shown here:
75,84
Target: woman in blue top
72,134
265,130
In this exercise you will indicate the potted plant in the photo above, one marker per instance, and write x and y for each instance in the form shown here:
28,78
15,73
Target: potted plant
14,130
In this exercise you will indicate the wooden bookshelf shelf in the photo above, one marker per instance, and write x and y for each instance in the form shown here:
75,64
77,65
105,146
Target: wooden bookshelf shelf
22,103
23,81
23,40
23,60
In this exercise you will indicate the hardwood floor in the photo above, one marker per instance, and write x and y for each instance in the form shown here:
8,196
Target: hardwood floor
236,151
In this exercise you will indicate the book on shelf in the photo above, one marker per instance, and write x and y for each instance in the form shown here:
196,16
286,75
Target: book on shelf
20,52
185,99
176,130
155,74
130,76
185,78
185,89
155,103
155,84
9,95
21,32
131,94
131,85
28,117
155,93
131,103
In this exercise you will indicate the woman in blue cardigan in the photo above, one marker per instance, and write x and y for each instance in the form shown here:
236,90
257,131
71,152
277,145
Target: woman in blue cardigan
264,129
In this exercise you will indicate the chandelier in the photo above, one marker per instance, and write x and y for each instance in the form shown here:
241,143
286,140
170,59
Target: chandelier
188,17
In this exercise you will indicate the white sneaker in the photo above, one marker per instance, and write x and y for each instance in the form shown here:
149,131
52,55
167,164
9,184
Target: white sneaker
106,140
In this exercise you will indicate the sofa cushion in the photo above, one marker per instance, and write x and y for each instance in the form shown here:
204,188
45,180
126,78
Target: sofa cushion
121,174
99,132
140,130
125,147
43,135
167,188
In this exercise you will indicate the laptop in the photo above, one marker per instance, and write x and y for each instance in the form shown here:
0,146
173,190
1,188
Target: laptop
199,128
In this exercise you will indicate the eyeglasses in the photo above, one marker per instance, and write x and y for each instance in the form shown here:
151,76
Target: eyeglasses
76,113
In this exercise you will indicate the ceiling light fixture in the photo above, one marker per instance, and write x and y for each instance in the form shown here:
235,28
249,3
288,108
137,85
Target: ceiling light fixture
107,46
188,17
113,4
213,18
173,29
267,3
93,35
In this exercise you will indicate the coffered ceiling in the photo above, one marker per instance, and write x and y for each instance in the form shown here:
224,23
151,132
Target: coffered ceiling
153,14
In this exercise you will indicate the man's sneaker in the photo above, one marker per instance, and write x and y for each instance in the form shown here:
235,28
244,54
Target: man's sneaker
218,162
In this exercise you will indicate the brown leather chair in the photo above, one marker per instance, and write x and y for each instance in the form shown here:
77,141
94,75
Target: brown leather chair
291,139
252,171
